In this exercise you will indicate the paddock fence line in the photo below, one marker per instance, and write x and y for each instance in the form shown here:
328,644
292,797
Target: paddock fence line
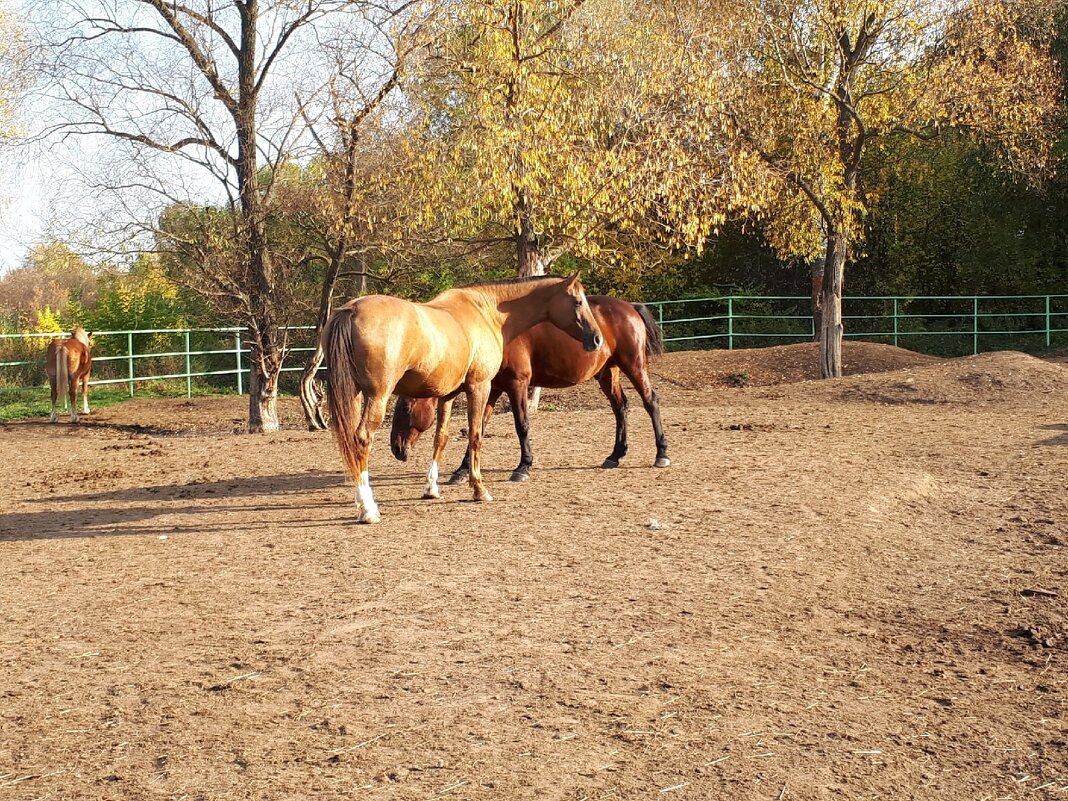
948,325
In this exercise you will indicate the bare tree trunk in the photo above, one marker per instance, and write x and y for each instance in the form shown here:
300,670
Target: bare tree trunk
311,397
831,328
531,260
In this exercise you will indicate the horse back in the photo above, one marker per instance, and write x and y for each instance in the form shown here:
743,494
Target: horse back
76,353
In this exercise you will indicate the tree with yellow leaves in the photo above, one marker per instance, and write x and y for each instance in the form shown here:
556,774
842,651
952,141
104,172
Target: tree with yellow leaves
800,90
532,130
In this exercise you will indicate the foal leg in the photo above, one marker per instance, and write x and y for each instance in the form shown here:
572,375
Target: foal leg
85,394
517,395
53,385
639,377
476,408
374,410
441,438
464,470
72,393
608,379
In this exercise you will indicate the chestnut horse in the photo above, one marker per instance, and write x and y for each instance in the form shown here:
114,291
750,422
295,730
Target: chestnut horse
67,363
379,345
544,357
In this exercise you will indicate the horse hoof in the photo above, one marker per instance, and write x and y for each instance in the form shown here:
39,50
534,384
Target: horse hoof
430,496
609,464
519,475
457,478
661,461
369,518
484,497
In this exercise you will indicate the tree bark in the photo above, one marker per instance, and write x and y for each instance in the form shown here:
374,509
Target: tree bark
831,328
531,261
266,361
311,398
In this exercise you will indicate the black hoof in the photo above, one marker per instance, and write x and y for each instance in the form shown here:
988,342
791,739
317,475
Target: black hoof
457,478
661,461
610,463
519,475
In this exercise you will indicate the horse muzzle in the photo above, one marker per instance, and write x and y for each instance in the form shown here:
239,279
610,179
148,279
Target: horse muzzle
399,451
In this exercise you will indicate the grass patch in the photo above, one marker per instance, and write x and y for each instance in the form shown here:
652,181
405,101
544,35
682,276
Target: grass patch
22,404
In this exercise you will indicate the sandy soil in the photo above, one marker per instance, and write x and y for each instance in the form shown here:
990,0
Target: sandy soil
839,590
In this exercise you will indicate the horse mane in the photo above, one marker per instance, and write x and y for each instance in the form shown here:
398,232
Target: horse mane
519,279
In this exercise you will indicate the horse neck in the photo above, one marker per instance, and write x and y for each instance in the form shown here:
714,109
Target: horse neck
520,306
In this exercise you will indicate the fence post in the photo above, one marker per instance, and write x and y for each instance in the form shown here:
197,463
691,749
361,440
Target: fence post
130,360
1049,326
730,323
895,322
237,338
188,367
975,325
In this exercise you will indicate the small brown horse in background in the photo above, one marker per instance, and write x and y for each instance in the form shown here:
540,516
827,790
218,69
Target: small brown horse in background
378,345
544,357
67,363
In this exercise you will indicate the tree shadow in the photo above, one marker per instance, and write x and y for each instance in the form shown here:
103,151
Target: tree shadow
1061,439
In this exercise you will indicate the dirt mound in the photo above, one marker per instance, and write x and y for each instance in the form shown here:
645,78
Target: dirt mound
1003,376
784,364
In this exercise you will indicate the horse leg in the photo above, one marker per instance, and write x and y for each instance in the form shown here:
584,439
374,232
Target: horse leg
85,394
476,408
518,396
608,379
53,385
72,393
464,470
374,410
639,377
441,438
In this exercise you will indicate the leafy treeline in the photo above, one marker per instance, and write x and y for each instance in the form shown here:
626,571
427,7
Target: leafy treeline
401,147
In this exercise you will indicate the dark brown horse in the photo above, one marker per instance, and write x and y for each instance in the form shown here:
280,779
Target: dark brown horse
544,357
378,345
67,364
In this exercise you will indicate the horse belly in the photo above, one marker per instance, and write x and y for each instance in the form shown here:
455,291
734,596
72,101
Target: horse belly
558,362
415,383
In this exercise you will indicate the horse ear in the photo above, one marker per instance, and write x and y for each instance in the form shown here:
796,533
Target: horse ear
573,278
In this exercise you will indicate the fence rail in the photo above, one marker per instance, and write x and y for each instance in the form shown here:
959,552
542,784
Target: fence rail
947,325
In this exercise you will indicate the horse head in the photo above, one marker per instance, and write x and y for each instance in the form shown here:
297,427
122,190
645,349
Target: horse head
570,312
411,417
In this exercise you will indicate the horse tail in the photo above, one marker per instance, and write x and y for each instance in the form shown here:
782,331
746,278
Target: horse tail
654,334
62,373
342,389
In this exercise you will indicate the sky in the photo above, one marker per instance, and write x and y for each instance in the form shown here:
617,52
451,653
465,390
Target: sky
25,209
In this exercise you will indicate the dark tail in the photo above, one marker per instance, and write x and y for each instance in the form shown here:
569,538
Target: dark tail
342,389
654,334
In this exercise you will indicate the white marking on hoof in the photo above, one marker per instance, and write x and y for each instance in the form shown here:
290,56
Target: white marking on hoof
53,417
73,416
365,501
485,496
663,461
432,489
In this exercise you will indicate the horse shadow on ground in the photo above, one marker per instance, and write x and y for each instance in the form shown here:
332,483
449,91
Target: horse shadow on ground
272,501
1061,439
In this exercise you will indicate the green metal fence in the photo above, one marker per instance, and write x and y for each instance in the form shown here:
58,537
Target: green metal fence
948,325
944,325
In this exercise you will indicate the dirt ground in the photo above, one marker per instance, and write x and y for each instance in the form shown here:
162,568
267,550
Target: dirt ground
839,590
